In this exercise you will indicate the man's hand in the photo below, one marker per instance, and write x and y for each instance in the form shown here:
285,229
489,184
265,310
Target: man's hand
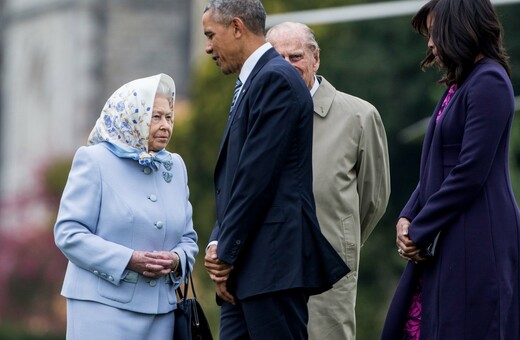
222,292
219,273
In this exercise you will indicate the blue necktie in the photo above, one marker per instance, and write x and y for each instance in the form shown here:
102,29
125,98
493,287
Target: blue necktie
236,91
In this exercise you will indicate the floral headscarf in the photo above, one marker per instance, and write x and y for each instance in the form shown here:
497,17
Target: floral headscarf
124,123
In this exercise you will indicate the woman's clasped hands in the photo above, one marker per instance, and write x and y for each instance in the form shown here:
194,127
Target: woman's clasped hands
154,264
405,246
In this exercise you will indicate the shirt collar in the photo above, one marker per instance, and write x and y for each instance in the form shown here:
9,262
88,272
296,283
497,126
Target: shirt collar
315,86
250,62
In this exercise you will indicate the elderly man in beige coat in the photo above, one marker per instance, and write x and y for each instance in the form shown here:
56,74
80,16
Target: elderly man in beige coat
351,176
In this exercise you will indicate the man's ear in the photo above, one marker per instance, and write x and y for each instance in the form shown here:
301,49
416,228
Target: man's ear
238,27
316,56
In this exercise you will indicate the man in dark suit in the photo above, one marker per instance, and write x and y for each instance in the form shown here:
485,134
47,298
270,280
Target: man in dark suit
266,254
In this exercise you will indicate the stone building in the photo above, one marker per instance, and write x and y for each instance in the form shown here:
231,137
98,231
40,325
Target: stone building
60,61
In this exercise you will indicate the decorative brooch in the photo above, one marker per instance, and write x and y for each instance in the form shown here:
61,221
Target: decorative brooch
167,176
168,165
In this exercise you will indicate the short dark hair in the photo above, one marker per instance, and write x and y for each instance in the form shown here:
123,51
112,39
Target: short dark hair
251,12
461,30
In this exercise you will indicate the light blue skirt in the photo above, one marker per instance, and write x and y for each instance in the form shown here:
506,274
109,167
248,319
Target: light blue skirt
88,320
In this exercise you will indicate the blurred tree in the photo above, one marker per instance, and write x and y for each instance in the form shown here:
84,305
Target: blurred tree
31,273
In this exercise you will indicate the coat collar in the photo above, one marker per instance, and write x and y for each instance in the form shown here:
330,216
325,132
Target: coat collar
324,97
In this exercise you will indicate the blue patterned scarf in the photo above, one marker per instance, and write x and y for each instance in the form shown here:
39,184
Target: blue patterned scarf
124,123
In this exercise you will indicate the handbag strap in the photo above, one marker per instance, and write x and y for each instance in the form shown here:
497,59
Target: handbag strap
193,287
187,280
184,296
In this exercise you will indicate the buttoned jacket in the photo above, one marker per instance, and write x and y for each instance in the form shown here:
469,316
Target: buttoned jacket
266,220
112,206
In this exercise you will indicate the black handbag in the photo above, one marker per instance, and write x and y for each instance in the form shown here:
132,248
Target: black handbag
190,321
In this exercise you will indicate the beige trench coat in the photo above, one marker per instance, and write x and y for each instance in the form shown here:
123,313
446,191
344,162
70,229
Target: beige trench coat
351,187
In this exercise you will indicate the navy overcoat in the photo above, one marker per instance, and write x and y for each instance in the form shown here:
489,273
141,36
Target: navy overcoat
471,286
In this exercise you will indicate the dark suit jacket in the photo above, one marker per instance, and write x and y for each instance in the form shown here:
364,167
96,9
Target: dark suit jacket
471,288
266,220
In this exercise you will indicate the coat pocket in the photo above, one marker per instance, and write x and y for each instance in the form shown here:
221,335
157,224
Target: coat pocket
123,293
450,157
349,244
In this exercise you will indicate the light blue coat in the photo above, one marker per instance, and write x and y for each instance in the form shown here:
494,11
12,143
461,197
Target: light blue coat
111,207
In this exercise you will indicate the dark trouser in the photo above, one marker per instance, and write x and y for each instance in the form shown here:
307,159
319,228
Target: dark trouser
280,315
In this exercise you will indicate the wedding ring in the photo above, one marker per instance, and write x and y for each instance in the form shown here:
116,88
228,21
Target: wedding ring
400,251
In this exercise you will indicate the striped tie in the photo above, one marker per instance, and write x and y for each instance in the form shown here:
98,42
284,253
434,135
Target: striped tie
236,91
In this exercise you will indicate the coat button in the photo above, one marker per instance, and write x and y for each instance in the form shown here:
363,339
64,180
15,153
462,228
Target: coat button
96,272
147,170
153,283
110,278
159,224
152,198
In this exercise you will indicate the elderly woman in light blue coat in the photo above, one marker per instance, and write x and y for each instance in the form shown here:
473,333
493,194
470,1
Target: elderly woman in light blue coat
125,221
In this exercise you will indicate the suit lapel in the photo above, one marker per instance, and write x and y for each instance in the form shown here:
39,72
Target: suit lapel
268,55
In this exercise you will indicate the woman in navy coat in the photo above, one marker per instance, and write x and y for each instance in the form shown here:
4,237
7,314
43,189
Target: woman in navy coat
468,285
125,221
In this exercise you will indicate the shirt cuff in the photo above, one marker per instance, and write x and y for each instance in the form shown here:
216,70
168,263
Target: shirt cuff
212,243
